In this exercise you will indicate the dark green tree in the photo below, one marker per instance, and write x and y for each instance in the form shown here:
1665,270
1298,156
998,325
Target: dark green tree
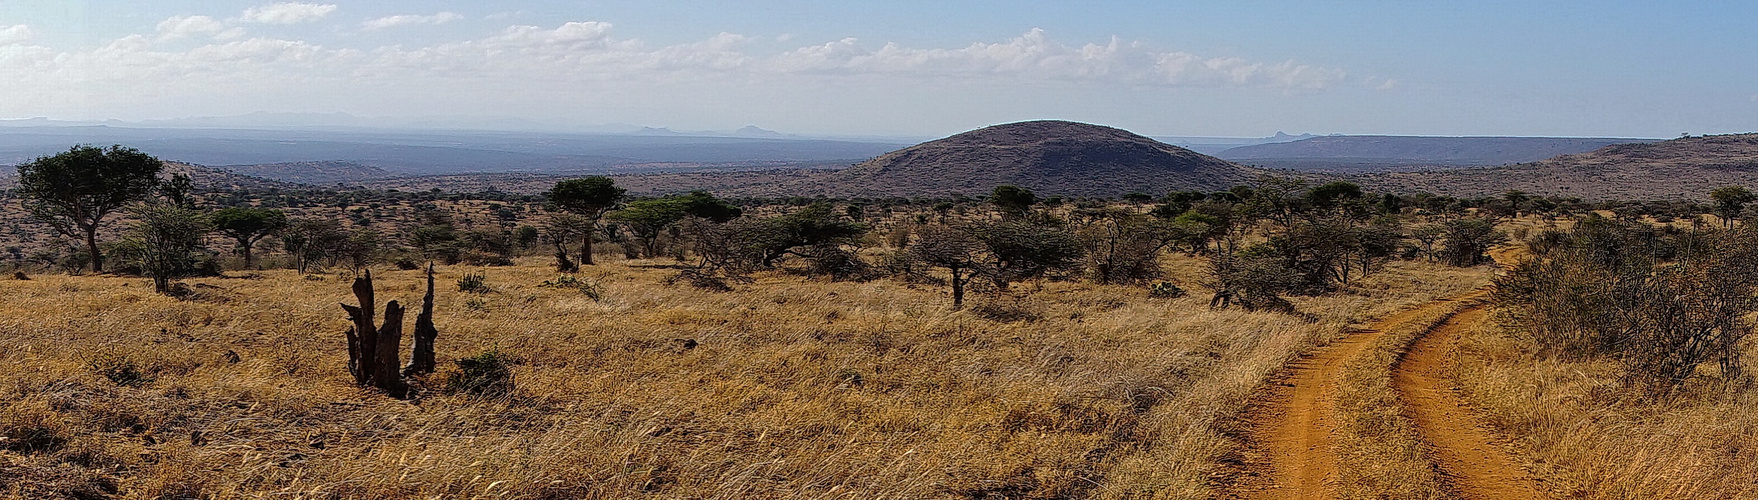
1730,201
646,220
1020,249
73,191
588,197
246,226
179,191
1014,201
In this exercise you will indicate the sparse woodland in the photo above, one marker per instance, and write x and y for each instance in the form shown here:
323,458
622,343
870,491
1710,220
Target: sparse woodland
601,346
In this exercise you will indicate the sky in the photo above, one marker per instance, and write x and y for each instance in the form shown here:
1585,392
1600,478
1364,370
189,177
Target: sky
903,67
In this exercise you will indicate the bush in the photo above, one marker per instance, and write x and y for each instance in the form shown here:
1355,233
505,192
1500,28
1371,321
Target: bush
487,375
476,282
1663,304
586,286
406,264
118,368
1165,290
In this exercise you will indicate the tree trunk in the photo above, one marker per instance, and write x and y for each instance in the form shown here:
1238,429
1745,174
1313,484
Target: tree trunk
91,244
957,290
249,260
586,248
421,355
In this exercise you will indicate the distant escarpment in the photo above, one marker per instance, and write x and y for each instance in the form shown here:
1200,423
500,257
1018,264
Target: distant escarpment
1680,169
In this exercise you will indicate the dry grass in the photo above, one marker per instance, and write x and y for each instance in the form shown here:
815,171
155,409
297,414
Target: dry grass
792,388
1589,437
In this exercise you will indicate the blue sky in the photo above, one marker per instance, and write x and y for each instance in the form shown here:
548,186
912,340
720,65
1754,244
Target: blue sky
1241,68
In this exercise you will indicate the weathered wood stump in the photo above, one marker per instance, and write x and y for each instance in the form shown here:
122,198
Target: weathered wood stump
421,358
373,350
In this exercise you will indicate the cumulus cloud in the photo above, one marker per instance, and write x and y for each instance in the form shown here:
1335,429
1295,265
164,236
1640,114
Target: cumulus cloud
288,13
16,34
188,26
411,19
1035,55
557,63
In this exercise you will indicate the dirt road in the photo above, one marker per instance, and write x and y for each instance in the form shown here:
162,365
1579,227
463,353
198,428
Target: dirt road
1292,428
1295,457
1467,453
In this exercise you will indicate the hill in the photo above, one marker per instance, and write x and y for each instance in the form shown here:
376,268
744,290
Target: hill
1050,157
1367,153
1685,168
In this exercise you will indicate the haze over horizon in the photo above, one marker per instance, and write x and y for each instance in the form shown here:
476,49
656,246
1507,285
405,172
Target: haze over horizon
1626,69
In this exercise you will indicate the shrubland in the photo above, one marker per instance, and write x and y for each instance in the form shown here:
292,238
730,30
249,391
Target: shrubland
633,376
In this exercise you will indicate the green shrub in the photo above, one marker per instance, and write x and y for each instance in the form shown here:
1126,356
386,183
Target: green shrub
476,282
488,374
1165,290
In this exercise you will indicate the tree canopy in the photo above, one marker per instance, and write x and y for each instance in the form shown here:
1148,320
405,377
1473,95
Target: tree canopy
75,190
247,225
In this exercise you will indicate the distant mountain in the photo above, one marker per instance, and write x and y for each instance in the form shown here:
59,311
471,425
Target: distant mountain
1685,168
1215,145
429,152
755,131
1358,153
1049,157
319,173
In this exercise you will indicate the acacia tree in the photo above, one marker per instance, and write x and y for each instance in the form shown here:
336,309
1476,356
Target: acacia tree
647,219
246,226
1014,201
590,198
311,239
1020,249
164,243
1730,201
73,191
953,250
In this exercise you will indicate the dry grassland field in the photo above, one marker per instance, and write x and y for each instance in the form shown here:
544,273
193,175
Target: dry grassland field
1578,426
787,387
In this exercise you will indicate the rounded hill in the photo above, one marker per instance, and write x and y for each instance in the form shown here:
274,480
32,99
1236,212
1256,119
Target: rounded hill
1050,157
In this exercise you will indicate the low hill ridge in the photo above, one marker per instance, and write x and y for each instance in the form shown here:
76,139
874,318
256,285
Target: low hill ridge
1051,157
1682,169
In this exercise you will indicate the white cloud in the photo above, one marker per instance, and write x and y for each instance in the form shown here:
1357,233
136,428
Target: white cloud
574,64
410,19
1035,55
288,13
16,34
188,26
1389,84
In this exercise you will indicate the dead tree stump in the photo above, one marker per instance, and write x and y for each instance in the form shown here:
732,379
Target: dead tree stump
373,350
421,357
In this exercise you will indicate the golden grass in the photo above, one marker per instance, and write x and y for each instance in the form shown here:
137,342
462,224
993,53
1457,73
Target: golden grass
795,388
1589,437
